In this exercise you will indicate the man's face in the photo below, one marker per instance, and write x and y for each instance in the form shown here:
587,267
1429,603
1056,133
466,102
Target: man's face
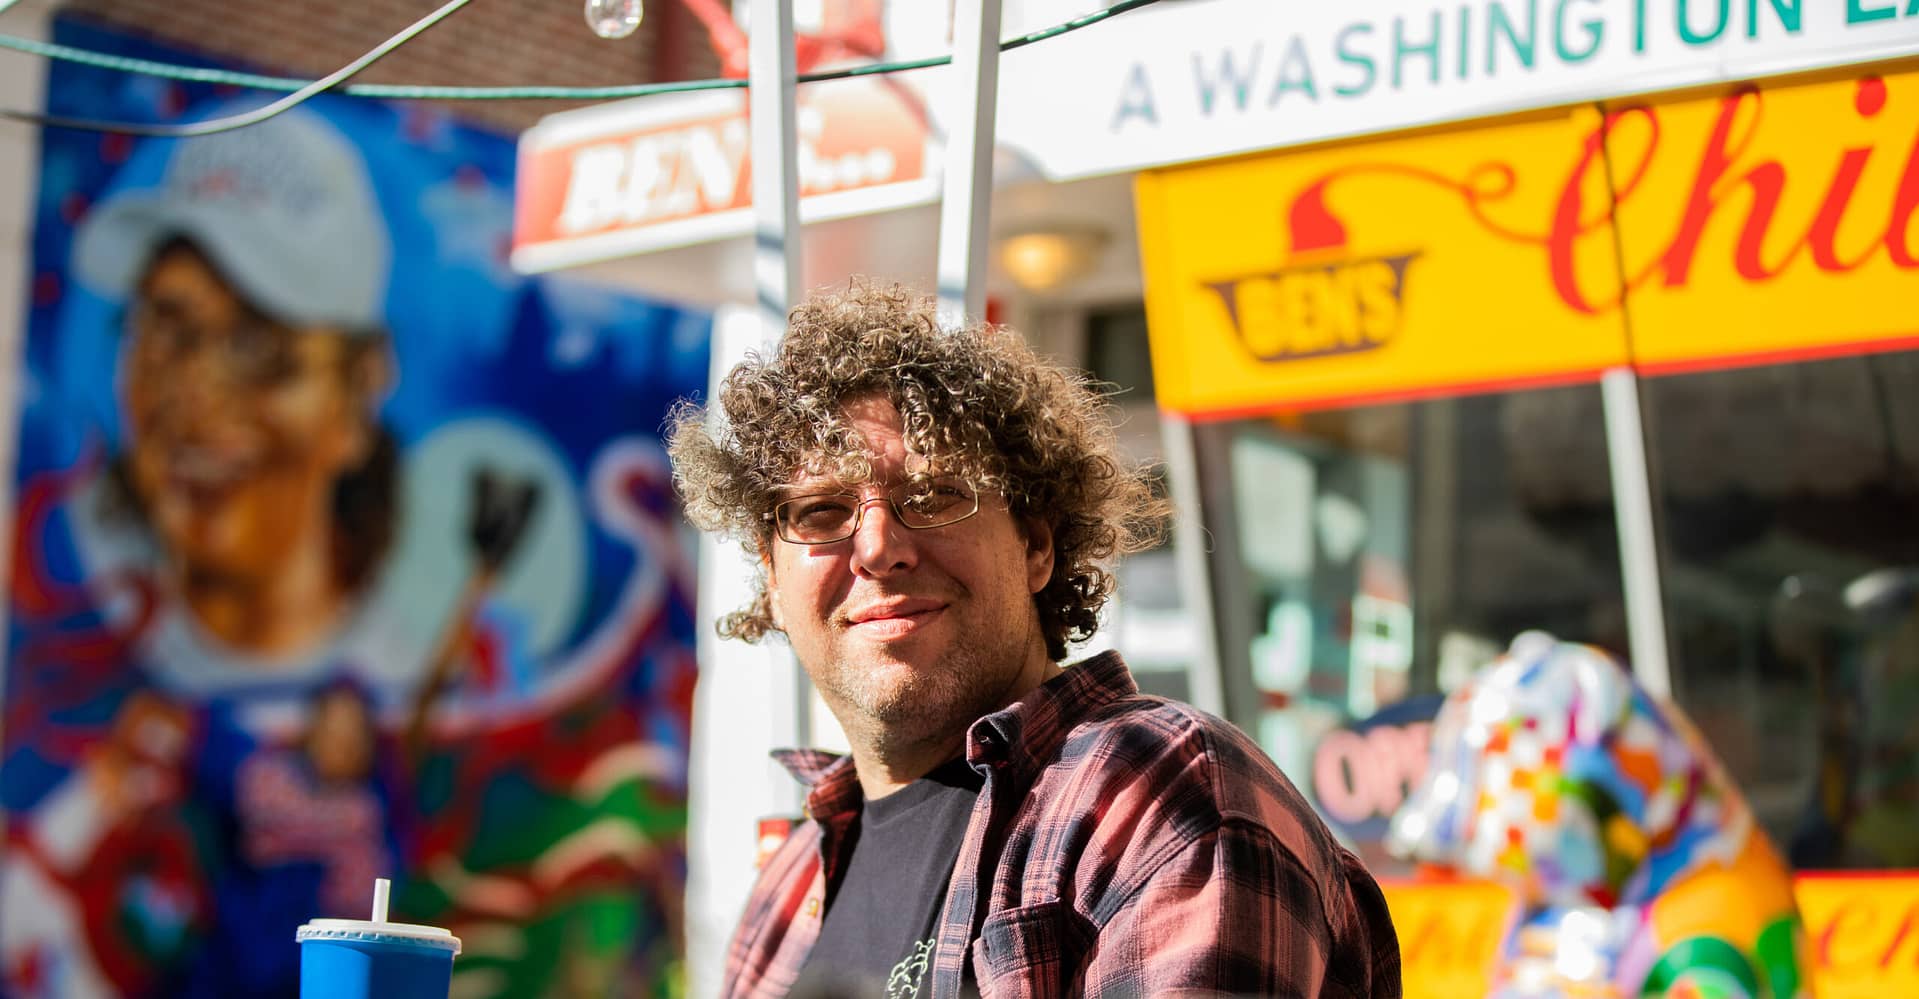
238,428
913,633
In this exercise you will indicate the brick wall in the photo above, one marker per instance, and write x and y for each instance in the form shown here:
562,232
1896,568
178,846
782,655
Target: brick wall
486,43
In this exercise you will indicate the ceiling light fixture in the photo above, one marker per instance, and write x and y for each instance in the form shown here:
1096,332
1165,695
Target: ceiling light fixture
1046,258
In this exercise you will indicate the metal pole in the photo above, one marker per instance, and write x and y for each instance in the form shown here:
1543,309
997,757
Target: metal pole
1206,685
772,74
1638,540
743,707
773,78
968,179
750,698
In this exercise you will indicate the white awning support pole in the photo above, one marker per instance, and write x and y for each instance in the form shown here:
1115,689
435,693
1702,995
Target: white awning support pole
750,699
1205,679
966,205
773,77
1638,540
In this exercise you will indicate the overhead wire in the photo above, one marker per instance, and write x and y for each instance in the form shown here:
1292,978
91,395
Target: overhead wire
302,90
245,118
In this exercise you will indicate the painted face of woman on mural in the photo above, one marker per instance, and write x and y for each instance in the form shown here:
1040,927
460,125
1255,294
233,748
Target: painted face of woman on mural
240,429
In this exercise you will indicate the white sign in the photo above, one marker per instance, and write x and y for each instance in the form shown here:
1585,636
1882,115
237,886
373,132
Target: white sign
1195,79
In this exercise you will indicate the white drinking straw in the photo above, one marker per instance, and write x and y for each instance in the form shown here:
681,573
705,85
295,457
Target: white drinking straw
382,888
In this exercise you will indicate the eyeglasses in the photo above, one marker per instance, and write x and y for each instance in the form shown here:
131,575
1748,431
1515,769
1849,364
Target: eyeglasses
919,503
253,350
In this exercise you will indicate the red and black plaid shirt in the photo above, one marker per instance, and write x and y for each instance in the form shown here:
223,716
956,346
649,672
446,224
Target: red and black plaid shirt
1123,845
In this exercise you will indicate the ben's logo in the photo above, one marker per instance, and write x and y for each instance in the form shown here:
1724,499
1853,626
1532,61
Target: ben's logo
1321,301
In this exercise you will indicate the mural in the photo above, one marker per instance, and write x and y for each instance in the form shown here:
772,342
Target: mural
341,551
1637,865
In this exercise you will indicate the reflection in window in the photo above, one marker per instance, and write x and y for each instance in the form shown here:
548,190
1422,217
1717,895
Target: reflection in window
1371,555
1788,497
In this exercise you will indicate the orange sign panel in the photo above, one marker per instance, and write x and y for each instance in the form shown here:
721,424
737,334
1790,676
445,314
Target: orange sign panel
1862,930
1758,225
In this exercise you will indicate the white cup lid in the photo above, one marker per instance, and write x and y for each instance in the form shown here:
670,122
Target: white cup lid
367,930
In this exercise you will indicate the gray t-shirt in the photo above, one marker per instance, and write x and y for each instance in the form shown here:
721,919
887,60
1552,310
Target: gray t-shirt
877,936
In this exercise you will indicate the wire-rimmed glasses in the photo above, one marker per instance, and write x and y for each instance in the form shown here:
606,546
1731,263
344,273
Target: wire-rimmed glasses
920,503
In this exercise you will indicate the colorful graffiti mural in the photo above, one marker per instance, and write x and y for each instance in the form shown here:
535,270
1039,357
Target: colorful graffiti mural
341,551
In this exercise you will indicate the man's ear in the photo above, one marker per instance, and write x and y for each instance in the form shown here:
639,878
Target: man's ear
1039,554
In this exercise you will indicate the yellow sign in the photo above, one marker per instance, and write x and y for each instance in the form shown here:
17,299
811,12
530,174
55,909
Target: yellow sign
1390,269
1520,253
1449,935
1862,932
1768,225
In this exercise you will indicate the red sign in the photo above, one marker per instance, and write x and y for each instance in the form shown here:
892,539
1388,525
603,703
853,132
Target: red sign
667,171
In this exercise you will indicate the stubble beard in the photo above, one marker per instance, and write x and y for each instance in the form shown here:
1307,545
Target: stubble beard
891,705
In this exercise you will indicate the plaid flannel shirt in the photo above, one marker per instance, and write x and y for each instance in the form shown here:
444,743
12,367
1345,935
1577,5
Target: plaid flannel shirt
1123,845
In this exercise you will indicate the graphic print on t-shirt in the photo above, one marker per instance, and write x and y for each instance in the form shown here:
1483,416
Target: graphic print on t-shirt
904,982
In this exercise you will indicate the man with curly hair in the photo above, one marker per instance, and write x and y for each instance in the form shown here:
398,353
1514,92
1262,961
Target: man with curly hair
933,513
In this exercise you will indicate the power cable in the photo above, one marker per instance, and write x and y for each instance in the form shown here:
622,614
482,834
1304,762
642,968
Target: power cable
259,114
304,89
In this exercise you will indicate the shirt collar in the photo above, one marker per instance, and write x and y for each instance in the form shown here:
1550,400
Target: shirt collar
833,785
1024,735
1017,738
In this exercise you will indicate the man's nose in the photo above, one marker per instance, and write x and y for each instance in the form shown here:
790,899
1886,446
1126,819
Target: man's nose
881,544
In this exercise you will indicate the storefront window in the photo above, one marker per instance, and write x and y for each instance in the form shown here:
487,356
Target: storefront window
1789,506
1374,555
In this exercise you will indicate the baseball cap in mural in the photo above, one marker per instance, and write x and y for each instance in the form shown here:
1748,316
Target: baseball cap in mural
284,208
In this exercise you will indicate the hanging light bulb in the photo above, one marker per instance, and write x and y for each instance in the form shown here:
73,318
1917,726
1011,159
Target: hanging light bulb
613,18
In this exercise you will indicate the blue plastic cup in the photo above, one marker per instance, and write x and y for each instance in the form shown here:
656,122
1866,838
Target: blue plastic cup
365,959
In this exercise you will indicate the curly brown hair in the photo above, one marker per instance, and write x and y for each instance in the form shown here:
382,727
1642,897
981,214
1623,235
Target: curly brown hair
974,401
